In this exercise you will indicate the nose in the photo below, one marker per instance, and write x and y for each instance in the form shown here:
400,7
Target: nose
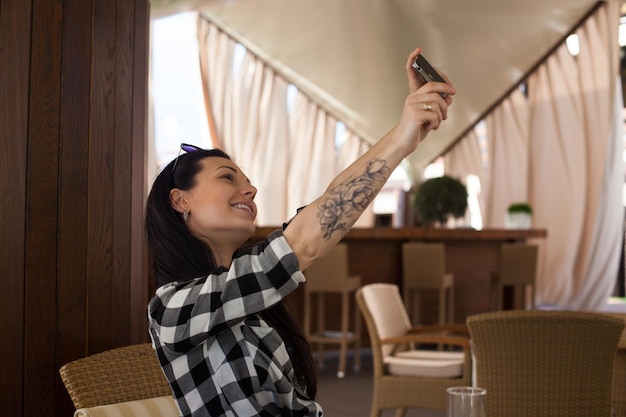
250,191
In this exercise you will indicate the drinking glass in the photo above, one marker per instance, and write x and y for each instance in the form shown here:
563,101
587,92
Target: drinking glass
466,402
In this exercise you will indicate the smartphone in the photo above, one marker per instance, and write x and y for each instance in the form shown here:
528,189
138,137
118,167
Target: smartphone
426,71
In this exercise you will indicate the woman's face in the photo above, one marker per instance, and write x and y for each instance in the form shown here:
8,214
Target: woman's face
221,206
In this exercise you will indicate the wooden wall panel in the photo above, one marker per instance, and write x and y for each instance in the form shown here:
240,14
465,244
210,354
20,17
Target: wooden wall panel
101,168
73,189
73,88
41,206
15,35
73,181
122,158
140,284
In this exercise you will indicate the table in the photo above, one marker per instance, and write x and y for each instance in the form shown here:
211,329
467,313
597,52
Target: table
375,254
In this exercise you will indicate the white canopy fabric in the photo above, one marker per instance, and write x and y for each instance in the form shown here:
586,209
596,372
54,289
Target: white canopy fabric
349,55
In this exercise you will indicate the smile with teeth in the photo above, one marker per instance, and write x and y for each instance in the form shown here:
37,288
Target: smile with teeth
242,206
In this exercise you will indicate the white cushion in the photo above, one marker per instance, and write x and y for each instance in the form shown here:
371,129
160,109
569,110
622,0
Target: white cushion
435,364
431,354
149,407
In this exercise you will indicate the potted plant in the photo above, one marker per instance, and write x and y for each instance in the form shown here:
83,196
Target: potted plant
518,216
437,199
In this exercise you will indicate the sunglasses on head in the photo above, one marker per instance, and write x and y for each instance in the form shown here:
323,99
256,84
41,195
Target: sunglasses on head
188,149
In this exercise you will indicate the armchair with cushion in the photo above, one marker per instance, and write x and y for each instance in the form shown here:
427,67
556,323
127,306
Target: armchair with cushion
408,370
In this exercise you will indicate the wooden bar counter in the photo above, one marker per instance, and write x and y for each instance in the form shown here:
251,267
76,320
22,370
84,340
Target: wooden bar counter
471,255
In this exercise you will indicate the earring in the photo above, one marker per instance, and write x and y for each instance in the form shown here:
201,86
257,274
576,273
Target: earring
186,214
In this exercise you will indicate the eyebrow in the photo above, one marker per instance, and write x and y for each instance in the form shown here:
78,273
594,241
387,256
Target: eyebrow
227,167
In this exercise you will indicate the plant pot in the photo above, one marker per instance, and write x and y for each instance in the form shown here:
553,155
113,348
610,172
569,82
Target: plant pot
518,220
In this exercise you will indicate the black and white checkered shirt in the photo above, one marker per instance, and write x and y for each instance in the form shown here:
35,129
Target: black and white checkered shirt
219,356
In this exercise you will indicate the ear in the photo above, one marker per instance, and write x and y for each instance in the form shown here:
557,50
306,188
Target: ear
178,200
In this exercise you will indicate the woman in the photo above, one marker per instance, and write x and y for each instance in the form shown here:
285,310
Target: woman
226,343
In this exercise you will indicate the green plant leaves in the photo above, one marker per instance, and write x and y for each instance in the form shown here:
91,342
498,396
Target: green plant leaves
436,199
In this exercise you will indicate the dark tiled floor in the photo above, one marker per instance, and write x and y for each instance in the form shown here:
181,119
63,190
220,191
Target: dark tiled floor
351,396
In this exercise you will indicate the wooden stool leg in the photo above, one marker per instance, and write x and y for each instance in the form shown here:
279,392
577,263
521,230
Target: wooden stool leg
451,305
415,306
357,333
307,313
320,328
345,315
407,296
529,297
442,305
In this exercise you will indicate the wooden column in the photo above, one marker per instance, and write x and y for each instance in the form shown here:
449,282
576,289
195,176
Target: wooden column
73,94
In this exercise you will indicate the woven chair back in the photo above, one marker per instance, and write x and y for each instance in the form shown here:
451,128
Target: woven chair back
117,375
545,363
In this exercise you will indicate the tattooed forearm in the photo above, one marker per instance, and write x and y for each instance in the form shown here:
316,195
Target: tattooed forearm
345,202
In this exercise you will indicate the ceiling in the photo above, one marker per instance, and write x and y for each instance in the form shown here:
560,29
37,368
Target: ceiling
349,55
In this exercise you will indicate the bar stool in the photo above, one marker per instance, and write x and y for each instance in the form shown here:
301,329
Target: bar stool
518,269
330,275
423,268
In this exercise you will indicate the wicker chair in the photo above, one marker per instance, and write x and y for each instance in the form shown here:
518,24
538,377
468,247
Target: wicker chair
545,363
405,377
114,376
619,377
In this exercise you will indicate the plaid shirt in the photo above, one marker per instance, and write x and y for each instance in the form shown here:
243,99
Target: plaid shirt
219,356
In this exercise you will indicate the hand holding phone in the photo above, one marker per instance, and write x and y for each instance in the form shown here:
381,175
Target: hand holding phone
426,71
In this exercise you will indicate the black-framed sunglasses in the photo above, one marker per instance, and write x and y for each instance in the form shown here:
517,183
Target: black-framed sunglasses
188,149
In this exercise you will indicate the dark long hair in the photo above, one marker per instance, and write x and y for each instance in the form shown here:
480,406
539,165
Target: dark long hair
177,255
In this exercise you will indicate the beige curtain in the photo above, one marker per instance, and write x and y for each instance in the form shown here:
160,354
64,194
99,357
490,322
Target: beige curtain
575,173
216,52
561,150
508,150
288,154
313,149
260,136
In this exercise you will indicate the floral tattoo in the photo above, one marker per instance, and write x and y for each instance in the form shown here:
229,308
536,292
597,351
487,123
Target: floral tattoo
346,201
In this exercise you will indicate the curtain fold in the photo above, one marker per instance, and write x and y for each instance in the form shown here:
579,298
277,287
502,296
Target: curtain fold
313,152
575,179
216,52
508,156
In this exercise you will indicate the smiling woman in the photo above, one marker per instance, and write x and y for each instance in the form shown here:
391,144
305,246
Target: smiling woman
224,338
199,212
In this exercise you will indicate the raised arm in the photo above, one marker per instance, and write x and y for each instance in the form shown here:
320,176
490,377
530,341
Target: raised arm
322,224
